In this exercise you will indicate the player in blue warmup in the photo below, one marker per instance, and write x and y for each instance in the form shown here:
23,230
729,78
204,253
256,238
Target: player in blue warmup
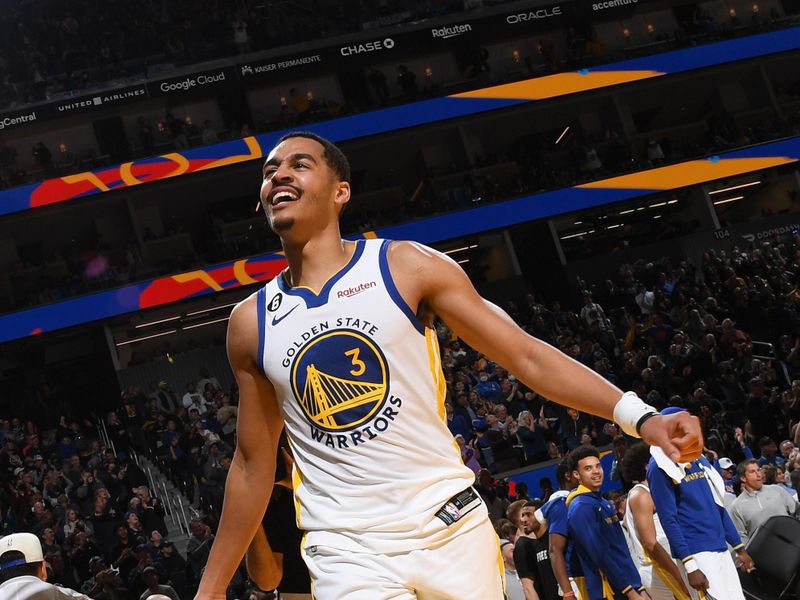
597,536
690,502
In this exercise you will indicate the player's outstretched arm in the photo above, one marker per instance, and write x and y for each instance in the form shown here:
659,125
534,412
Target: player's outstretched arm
252,471
426,277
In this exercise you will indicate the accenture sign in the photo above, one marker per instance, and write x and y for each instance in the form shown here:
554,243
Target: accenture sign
445,33
366,47
534,15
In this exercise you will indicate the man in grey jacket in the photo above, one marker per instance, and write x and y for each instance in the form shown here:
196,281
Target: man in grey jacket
23,572
758,502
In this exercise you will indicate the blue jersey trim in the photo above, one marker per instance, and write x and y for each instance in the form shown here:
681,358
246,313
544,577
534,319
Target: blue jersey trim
261,309
394,294
313,299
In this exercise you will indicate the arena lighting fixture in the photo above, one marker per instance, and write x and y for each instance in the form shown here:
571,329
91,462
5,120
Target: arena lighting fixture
734,187
140,325
579,234
147,337
672,202
657,205
205,310
734,199
563,133
462,261
454,250
656,216
615,226
578,223
626,212
206,323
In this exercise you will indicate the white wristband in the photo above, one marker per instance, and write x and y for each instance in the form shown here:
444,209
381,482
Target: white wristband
629,410
690,566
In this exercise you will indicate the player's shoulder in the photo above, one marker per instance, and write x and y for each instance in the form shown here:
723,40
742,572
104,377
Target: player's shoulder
417,260
245,310
243,329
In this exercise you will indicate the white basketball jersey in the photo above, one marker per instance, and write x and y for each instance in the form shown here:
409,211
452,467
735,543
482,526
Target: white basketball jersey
360,386
635,544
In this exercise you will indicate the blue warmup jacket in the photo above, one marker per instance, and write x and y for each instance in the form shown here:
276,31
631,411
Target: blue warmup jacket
555,511
691,519
600,545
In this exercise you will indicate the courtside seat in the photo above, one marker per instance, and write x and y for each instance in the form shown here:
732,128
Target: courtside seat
775,549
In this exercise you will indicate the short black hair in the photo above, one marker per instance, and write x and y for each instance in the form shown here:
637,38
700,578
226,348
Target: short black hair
7,573
563,471
635,461
580,453
333,156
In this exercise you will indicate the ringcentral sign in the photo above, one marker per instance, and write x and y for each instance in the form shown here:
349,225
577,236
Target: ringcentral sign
534,15
17,120
192,82
366,47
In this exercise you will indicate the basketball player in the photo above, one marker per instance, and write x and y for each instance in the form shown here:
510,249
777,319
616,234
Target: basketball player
660,574
339,348
690,500
553,517
273,558
597,537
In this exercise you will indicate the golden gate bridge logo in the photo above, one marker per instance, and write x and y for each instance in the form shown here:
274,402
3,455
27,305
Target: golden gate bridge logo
340,380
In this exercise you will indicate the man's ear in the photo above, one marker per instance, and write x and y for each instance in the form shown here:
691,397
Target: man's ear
43,571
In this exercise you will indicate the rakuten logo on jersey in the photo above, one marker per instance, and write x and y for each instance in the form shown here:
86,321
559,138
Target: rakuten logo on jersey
366,47
352,291
534,15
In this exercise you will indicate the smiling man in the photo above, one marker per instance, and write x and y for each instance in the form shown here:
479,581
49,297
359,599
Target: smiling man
339,349
594,528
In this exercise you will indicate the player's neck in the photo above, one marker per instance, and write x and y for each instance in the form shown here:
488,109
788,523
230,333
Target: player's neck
315,260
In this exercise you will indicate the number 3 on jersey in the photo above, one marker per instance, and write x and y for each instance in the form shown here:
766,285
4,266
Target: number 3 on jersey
359,365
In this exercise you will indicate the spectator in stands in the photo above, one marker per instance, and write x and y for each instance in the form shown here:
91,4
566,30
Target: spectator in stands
175,567
407,81
199,547
177,129
150,578
758,502
776,475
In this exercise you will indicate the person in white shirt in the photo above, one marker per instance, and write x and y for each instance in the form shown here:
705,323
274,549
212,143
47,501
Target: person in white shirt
193,398
23,571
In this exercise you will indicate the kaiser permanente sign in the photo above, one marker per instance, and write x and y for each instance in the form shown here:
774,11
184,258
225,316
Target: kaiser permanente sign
370,47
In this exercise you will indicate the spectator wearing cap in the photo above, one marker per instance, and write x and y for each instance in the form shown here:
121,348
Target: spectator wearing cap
104,583
150,578
728,471
23,572
758,502
175,567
